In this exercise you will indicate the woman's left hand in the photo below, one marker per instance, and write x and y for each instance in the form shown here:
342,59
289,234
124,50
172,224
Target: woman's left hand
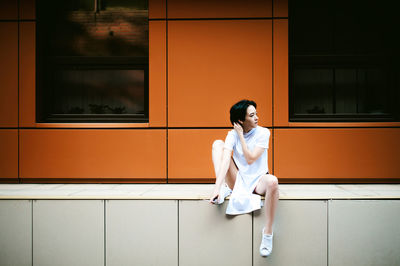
238,128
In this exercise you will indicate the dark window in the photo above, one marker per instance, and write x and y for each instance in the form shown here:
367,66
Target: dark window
343,61
92,61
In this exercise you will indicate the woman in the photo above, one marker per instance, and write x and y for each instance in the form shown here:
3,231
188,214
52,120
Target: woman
245,172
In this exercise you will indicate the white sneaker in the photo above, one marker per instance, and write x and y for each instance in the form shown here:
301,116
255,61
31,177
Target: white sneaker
224,192
266,244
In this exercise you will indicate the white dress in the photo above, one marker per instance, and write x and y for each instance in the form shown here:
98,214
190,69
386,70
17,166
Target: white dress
242,199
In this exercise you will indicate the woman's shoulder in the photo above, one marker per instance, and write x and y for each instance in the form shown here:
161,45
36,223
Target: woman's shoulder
232,133
263,130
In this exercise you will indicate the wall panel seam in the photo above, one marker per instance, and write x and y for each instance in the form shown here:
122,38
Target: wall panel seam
166,87
18,69
202,127
335,127
252,238
272,74
199,127
105,231
327,231
273,89
220,18
178,201
32,232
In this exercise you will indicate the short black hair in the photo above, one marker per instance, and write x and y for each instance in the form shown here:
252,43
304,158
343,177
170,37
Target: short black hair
239,110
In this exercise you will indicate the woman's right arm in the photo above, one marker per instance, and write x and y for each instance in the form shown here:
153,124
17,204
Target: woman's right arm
223,170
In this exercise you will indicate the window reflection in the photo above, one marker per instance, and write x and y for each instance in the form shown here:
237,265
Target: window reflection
313,91
343,61
99,92
92,61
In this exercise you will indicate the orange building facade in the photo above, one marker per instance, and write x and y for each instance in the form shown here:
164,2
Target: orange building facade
203,57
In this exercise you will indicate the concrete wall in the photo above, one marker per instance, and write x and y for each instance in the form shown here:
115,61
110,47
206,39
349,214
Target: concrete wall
191,232
201,53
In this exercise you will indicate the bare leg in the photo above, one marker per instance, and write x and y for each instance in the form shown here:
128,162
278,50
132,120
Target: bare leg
217,152
268,186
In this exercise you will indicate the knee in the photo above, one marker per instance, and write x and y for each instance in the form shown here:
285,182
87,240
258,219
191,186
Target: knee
272,183
218,144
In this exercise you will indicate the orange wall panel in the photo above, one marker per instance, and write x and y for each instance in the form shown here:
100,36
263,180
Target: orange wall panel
8,9
27,72
189,154
9,154
281,73
212,65
281,8
337,153
9,74
157,74
133,154
27,9
157,9
219,9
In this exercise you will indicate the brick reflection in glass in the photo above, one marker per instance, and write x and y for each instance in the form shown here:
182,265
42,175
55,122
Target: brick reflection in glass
112,30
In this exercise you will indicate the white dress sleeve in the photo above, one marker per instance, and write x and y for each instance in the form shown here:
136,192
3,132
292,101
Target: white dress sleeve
230,140
262,139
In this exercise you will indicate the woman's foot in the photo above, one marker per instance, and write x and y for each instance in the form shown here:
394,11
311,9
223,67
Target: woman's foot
224,192
266,244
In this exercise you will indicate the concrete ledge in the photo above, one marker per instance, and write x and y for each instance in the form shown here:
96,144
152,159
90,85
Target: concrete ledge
188,191
332,225
192,232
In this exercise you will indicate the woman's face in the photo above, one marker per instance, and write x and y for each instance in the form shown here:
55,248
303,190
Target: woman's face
251,119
